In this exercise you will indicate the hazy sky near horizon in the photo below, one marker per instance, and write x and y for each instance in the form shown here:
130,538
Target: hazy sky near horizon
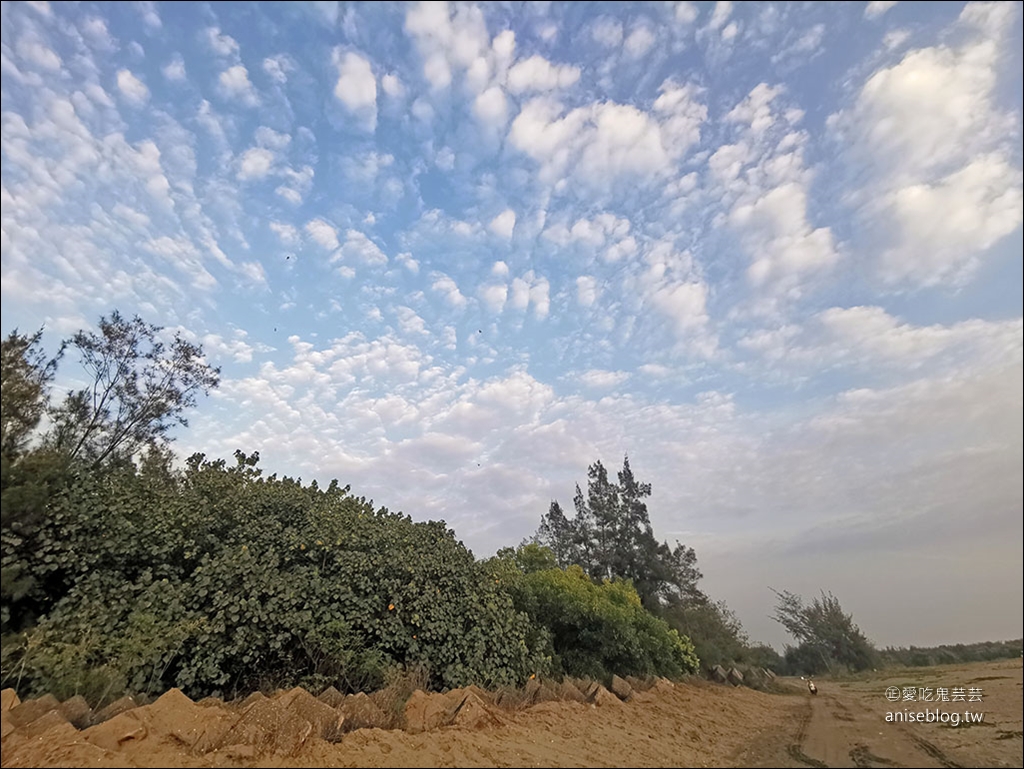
451,254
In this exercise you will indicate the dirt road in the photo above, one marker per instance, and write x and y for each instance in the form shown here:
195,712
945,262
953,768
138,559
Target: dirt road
846,725
691,724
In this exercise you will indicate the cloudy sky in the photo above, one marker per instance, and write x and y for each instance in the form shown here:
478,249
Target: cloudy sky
452,254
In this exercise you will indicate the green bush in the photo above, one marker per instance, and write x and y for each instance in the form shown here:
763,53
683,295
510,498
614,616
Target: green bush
224,581
596,630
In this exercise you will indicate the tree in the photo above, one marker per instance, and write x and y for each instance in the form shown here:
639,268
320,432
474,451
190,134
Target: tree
824,632
611,537
25,377
603,501
139,389
556,530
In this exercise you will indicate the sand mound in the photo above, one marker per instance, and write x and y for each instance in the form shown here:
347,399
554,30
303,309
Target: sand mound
361,712
326,721
268,727
173,719
331,697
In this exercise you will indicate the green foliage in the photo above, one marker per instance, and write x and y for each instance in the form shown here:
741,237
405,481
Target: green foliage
138,388
829,641
25,377
610,537
949,654
528,558
588,629
764,656
716,633
221,580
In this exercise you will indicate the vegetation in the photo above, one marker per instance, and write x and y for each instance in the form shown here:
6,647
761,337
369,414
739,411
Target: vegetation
828,640
950,654
221,580
610,537
136,389
590,629
121,573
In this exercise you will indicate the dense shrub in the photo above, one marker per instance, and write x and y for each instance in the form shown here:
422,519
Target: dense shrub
715,632
592,630
224,581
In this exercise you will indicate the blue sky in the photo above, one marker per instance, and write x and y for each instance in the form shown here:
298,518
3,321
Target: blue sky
452,254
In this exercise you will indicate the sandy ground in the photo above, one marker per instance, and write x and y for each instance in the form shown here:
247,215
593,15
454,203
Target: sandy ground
690,724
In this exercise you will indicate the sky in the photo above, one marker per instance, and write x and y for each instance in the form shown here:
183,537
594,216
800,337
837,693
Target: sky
453,254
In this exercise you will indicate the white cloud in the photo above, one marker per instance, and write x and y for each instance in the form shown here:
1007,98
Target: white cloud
686,12
358,246
406,260
604,141
639,42
765,182
596,232
537,74
504,46
600,379
409,322
150,16
135,218
804,47
268,137
869,338
41,7
323,233
235,84
586,290
174,70
540,297
288,234
876,8
721,14
674,287
279,67
941,182
38,54
448,289
422,110
654,370
780,239
133,89
255,163
491,107
942,227
356,87
519,294
895,38
392,86
494,296
617,251
299,183
95,30
499,269
220,44
756,110
607,32
504,224
450,38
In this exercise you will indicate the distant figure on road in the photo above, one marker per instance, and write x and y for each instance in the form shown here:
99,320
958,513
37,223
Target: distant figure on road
811,687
